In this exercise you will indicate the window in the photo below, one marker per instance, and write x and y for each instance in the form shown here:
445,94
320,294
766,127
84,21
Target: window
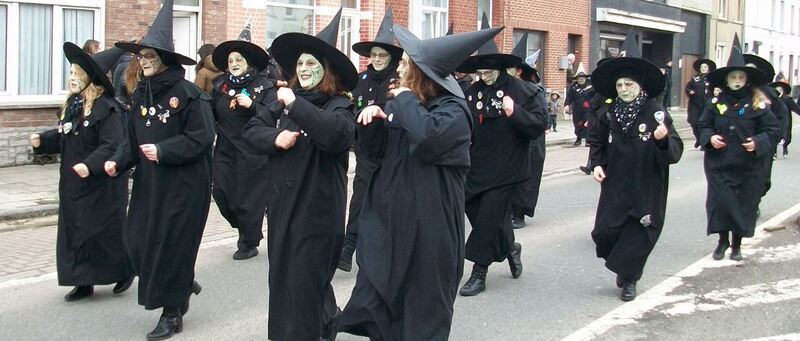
535,42
428,18
723,9
35,49
289,16
484,6
791,23
774,16
3,44
720,55
78,27
781,14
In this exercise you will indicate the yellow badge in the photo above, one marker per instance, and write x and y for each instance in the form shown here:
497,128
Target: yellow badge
174,102
722,108
144,112
608,101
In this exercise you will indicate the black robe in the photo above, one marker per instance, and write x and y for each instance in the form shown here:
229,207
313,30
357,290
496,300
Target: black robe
793,109
372,89
411,240
579,98
239,179
307,195
500,161
170,198
633,196
528,192
699,91
91,212
736,178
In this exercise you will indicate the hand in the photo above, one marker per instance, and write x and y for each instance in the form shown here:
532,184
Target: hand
567,109
718,142
243,101
369,114
691,92
750,145
286,139
110,168
150,151
598,174
508,105
81,170
35,141
399,90
586,124
661,132
285,96
280,83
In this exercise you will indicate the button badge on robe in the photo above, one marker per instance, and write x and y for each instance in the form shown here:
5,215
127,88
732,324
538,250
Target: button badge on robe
480,95
231,92
85,123
642,128
151,111
174,102
67,127
479,105
499,93
659,116
609,138
144,112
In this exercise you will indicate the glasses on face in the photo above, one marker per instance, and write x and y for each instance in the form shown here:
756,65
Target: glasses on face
378,55
148,56
484,73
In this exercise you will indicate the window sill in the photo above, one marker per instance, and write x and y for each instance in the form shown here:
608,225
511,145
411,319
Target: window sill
31,102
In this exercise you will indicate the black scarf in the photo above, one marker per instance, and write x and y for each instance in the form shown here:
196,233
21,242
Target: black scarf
626,113
241,81
150,87
314,96
736,95
382,74
74,109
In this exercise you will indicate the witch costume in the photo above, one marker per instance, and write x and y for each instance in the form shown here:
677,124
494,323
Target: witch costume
699,91
736,178
307,189
372,89
579,97
411,235
171,196
624,147
91,213
792,108
239,178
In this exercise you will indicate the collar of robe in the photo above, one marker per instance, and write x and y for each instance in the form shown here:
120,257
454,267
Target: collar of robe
314,96
626,113
382,74
151,87
243,80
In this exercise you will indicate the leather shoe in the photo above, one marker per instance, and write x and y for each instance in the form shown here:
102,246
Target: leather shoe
196,289
577,143
476,283
245,253
628,291
167,326
79,292
517,221
620,281
515,260
331,328
736,253
719,252
122,285
585,170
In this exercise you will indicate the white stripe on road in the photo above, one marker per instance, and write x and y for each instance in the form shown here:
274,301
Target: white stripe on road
658,295
750,295
785,337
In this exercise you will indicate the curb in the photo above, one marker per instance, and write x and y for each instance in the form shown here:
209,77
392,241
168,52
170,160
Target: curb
29,212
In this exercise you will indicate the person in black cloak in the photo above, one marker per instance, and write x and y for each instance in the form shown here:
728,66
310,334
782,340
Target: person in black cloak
784,92
739,133
89,243
170,134
239,178
699,91
372,89
411,235
508,113
527,197
598,102
632,144
308,139
768,95
578,103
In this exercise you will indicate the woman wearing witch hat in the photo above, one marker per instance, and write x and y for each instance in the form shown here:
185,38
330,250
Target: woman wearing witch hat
89,245
308,138
239,172
372,89
508,114
785,94
578,103
411,235
739,134
773,100
171,131
700,91
632,144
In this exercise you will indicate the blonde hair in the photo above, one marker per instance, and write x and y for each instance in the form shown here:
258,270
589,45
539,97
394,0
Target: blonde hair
91,93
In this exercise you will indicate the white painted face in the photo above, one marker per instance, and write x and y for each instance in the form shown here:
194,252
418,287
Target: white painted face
717,91
309,71
628,89
380,58
237,65
736,79
78,79
512,71
150,61
779,90
488,76
704,68
581,80
402,67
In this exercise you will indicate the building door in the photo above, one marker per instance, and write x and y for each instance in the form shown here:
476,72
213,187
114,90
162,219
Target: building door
184,35
687,72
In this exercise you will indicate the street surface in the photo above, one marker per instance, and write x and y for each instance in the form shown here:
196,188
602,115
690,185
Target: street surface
564,292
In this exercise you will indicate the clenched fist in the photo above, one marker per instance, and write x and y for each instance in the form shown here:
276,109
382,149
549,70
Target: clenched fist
110,168
508,105
661,132
81,170
150,151
285,96
286,139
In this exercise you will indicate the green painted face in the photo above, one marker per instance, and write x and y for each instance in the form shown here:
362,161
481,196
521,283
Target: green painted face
78,79
309,71
488,76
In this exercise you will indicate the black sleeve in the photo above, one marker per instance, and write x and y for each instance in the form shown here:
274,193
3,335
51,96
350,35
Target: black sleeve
50,142
196,139
767,134
332,130
706,127
111,133
127,153
598,141
670,149
261,131
372,139
530,117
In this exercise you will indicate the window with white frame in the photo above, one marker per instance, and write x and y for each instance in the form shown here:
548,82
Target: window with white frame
289,16
428,18
484,6
31,39
535,42
723,9
720,55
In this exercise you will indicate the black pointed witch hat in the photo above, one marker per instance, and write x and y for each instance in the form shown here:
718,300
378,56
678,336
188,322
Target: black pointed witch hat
439,57
526,62
96,66
159,38
384,39
449,30
631,65
737,62
288,46
254,54
760,63
488,56
711,64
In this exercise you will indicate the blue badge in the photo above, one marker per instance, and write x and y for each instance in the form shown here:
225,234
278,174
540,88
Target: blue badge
741,112
364,76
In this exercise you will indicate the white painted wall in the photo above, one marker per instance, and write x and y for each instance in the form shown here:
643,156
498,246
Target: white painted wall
776,23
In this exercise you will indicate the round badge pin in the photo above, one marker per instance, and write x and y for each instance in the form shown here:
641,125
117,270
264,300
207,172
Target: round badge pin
480,95
364,76
231,92
609,138
174,102
151,111
642,127
144,112
500,93
469,98
85,123
479,105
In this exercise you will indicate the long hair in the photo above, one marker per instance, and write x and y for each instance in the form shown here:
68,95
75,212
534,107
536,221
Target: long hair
133,74
91,46
330,85
204,51
419,83
90,94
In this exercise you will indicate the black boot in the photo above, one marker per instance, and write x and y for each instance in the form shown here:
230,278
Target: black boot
245,252
515,260
628,291
170,323
577,143
122,285
79,292
719,252
620,281
476,282
517,221
585,170
330,329
196,289
736,248
346,257
785,152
